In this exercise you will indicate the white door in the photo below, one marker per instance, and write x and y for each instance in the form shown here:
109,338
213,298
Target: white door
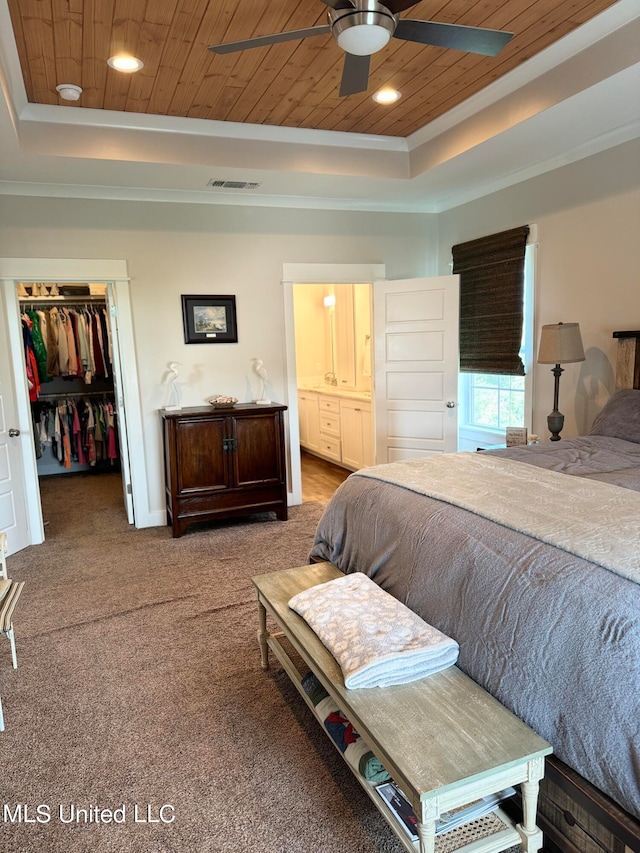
415,325
118,388
15,438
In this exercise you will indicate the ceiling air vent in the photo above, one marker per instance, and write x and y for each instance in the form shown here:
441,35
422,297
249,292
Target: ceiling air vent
233,185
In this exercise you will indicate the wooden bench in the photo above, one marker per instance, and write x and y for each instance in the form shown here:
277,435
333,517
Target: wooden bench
445,741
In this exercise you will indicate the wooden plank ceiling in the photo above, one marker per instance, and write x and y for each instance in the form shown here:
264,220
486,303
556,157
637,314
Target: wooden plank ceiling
292,84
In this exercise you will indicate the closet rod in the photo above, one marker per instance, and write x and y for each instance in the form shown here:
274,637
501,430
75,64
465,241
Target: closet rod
63,300
63,394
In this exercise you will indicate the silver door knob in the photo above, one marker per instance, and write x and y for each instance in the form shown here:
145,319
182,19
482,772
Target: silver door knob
13,433
451,404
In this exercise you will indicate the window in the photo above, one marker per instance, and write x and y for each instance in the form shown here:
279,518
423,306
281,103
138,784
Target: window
495,401
490,402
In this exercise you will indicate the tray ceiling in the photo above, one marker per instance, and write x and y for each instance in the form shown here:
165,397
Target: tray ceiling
293,84
267,126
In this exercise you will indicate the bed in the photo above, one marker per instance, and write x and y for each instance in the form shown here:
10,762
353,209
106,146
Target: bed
552,630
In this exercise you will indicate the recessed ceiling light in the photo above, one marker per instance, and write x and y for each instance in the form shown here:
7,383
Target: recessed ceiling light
386,96
122,62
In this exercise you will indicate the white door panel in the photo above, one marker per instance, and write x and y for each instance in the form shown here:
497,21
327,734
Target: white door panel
415,385
416,367
415,424
414,304
398,454
13,511
415,346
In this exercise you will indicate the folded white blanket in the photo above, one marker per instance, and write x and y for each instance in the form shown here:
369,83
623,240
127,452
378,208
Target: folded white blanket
376,639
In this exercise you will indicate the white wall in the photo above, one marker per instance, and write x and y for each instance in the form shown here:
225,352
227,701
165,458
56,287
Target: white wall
588,217
176,249
312,358
588,262
362,329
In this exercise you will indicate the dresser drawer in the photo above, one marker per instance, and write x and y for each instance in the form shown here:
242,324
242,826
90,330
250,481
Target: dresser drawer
329,424
329,404
330,447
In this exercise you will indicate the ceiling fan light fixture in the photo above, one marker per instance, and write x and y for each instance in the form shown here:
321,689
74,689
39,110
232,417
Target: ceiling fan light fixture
386,96
123,62
362,33
363,39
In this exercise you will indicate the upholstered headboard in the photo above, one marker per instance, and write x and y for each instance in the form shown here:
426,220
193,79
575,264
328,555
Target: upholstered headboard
628,360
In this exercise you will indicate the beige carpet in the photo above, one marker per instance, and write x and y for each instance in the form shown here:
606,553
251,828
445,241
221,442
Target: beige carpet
139,684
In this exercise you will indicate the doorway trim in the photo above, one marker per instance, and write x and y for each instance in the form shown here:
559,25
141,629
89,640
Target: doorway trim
111,271
310,274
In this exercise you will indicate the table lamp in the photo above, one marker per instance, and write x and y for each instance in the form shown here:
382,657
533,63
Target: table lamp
560,343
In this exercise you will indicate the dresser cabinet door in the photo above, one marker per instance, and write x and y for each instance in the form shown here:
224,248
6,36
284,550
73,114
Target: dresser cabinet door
259,453
201,461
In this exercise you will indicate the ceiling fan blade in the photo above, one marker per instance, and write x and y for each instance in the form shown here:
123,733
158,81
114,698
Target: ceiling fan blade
456,36
396,6
340,4
355,74
260,41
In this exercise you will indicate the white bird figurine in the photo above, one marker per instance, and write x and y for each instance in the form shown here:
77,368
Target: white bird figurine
173,391
260,369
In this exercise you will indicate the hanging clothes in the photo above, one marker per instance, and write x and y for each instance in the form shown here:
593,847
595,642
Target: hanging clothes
51,342
33,378
39,346
69,342
63,345
77,430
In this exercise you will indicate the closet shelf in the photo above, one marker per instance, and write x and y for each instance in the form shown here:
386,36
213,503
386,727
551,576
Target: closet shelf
69,301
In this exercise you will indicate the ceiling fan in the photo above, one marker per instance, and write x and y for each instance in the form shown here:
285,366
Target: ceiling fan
363,27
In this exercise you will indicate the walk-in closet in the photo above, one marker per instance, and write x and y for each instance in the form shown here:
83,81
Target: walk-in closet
69,364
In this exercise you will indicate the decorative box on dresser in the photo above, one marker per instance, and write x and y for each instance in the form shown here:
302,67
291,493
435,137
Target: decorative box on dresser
223,462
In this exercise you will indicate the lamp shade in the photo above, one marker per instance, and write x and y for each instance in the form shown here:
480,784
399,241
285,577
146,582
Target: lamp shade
560,343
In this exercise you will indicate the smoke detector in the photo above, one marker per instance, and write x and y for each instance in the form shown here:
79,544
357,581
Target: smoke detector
69,91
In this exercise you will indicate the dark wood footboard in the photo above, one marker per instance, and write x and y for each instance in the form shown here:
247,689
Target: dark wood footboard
577,818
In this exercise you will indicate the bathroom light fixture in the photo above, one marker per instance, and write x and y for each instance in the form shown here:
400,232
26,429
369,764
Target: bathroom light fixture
123,62
69,91
386,96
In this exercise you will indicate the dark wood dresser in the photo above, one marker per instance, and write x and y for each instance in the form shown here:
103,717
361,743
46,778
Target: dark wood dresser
221,463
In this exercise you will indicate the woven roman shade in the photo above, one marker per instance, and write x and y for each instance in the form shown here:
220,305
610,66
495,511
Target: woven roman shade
491,271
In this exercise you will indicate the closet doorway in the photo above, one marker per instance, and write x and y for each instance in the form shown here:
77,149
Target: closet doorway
73,376
121,391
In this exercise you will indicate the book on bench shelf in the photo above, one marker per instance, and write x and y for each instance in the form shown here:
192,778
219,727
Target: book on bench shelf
401,808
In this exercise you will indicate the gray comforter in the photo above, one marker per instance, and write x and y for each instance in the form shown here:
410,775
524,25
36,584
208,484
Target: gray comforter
555,638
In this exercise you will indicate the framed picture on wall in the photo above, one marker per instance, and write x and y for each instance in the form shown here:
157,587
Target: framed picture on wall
209,319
